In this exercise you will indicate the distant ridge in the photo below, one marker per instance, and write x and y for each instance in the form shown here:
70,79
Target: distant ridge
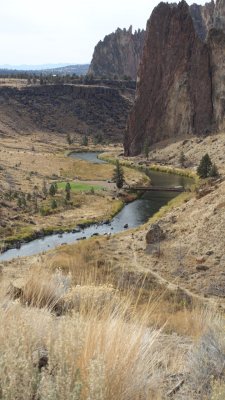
61,69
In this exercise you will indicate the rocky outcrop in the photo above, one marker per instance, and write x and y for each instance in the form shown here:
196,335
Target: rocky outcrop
219,15
203,17
174,93
216,42
155,234
118,54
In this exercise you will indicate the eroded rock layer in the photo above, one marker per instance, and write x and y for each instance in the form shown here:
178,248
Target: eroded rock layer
65,109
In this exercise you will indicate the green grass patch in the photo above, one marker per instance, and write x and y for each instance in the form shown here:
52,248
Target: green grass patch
173,170
79,187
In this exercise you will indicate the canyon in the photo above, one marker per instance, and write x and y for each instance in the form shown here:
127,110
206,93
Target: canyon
65,109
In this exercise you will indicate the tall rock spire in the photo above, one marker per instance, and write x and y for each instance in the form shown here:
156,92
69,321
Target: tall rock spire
174,81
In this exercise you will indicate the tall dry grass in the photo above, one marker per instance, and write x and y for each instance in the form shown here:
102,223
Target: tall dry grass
100,348
71,334
92,356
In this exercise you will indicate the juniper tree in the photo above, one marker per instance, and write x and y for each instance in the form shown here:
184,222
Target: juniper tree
69,139
146,149
67,190
53,204
52,190
85,141
205,166
214,171
118,176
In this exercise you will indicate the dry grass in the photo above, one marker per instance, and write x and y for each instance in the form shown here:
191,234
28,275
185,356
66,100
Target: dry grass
104,343
207,358
84,170
103,348
44,289
105,353
95,355
85,261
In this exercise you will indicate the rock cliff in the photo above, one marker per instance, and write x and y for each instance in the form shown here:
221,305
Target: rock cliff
118,54
203,18
219,15
216,43
174,92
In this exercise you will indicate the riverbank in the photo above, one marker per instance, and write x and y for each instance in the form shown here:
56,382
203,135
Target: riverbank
30,162
27,235
144,165
132,216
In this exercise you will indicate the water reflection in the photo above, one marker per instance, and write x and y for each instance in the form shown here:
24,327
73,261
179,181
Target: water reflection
133,214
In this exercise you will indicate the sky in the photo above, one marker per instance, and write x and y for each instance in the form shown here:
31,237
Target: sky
64,31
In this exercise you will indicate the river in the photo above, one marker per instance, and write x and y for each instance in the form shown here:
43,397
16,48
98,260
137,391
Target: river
133,214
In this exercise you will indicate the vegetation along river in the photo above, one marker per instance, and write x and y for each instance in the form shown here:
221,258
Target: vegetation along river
133,214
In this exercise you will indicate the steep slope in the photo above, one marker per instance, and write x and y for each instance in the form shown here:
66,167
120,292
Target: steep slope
118,54
174,83
216,43
64,109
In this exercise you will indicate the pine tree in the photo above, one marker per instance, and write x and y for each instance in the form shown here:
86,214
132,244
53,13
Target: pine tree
53,204
214,171
56,187
52,190
205,166
118,176
85,141
67,190
69,139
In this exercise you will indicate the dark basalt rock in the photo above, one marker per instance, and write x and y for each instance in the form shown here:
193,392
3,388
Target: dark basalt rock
66,108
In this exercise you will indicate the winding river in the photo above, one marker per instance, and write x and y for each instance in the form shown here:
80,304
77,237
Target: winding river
133,214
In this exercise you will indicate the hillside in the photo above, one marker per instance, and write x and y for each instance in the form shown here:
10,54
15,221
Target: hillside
81,109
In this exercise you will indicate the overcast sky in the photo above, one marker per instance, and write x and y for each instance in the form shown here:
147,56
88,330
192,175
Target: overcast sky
65,31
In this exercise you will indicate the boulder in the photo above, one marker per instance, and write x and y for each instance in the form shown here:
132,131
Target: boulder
155,234
202,267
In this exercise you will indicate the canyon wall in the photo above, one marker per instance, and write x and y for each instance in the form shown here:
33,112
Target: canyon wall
203,18
65,109
181,78
174,81
216,43
118,54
